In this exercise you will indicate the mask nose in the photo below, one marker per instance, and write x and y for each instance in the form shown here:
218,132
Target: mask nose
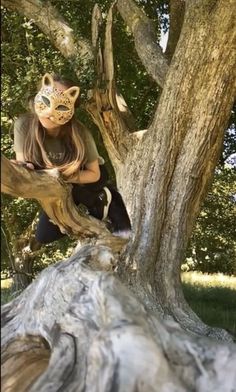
48,112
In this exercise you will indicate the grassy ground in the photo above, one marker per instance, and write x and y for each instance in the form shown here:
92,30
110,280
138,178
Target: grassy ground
212,297
6,291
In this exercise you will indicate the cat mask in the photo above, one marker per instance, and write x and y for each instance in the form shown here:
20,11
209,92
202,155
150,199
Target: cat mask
53,103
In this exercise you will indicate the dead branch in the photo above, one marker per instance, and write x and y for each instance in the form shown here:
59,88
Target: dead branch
106,106
54,195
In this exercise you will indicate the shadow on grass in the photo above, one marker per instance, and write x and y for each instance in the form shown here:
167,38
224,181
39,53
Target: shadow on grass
216,306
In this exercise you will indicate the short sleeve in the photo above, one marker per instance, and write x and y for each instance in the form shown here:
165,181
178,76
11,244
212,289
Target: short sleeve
20,130
91,152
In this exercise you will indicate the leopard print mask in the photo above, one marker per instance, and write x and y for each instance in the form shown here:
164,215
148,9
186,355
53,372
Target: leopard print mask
55,104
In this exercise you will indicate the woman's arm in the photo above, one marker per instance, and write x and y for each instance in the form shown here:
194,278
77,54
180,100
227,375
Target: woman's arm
90,174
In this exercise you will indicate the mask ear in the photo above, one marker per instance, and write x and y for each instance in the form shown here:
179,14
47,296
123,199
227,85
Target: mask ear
47,80
72,93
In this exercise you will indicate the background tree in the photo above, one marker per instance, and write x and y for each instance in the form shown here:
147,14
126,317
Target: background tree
212,247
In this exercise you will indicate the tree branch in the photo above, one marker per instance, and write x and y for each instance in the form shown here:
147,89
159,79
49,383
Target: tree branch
47,187
96,26
106,106
146,45
51,23
177,11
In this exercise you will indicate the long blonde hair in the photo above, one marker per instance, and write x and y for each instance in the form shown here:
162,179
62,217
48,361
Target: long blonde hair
74,149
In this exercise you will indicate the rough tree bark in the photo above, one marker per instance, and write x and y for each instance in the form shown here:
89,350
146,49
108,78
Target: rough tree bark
163,174
93,335
177,11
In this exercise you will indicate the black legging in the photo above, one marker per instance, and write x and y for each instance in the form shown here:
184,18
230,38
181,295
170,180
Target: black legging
47,231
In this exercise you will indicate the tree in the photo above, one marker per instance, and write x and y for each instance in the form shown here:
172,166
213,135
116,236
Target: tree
163,172
212,247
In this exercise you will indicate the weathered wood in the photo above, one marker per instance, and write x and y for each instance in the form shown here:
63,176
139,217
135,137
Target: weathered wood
108,48
54,195
96,27
79,329
106,106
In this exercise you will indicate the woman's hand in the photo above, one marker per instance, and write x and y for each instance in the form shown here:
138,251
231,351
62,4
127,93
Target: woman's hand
28,165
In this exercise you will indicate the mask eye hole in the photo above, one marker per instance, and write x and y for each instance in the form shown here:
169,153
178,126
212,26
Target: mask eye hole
46,101
62,108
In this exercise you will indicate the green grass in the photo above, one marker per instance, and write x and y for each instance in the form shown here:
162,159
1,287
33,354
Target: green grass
6,296
7,293
212,297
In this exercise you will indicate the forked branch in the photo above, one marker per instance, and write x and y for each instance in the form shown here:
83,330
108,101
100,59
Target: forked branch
148,50
85,331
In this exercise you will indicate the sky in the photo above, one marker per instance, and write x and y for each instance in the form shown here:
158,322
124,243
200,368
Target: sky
163,40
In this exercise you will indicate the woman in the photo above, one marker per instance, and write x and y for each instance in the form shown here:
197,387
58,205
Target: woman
52,137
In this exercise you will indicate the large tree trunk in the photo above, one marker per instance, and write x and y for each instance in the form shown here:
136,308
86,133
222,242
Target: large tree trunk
78,329
165,176
164,172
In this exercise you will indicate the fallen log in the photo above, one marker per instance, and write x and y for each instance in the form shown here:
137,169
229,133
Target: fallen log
77,328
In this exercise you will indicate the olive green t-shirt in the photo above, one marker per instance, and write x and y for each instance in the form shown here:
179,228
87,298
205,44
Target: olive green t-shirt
54,146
